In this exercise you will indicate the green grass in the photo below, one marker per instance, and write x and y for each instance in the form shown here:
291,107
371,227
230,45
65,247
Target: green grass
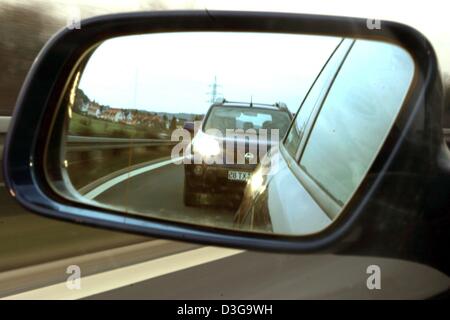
89,126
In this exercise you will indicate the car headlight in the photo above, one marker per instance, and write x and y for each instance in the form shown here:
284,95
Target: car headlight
206,146
257,182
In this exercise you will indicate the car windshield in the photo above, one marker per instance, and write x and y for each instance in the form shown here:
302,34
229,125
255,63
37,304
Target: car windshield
245,118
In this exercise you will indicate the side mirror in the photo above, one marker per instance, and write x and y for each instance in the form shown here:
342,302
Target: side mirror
354,161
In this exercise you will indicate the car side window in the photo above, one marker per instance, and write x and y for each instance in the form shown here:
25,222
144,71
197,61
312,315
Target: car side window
313,98
356,117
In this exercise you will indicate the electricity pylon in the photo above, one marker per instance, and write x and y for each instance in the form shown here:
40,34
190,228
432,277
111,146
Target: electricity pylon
214,92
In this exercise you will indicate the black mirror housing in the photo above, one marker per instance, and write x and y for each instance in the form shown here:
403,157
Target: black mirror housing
401,210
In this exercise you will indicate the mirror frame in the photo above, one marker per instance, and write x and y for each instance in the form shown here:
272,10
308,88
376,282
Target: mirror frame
38,106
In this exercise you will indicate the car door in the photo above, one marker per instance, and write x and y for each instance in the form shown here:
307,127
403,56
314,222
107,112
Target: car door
283,187
316,149
352,123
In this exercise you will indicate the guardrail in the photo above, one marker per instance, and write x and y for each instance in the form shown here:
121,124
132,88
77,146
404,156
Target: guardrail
83,143
4,124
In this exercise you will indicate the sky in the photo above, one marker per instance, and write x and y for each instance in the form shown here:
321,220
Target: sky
172,72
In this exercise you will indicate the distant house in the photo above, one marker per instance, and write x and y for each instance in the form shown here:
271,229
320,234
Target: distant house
106,115
118,116
128,118
84,107
115,115
131,117
138,119
141,118
93,110
154,121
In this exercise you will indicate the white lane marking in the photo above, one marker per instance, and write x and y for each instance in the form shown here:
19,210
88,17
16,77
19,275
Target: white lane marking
4,124
110,183
122,277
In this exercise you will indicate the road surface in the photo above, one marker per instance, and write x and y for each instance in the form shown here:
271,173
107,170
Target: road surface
159,192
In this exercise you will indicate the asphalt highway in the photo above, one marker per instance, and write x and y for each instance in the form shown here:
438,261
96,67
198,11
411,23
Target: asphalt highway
159,193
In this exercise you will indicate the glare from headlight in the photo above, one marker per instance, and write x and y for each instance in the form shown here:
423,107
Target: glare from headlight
206,146
257,182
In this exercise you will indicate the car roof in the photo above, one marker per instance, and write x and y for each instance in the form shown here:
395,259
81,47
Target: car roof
281,106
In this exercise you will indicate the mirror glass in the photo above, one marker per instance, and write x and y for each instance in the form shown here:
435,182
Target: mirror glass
258,132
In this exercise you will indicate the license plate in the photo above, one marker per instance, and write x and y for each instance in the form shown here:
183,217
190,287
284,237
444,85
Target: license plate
238,175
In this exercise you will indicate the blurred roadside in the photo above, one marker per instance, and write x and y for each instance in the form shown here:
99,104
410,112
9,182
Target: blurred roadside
27,25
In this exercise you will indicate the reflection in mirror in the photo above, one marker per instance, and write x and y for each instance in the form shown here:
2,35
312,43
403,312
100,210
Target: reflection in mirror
250,131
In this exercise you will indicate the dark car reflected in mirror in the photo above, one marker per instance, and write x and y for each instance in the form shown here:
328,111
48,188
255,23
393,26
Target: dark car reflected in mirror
251,131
